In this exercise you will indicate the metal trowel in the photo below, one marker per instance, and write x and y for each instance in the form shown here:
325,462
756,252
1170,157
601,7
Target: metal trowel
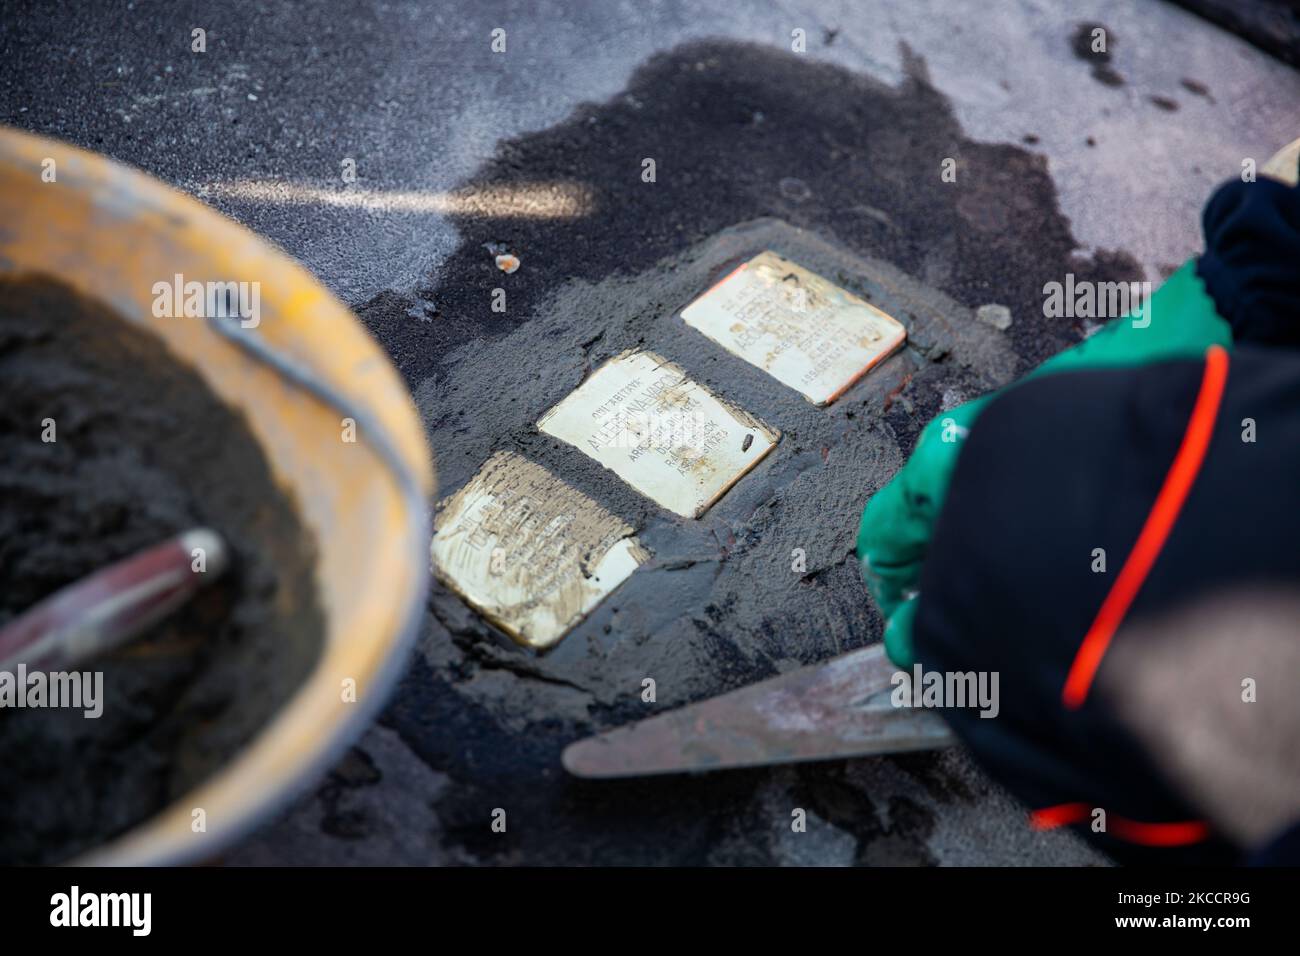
842,708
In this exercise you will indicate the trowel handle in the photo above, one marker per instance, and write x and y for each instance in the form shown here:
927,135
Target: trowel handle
113,605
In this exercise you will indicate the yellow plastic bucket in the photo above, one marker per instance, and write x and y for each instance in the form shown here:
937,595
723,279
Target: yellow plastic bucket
112,233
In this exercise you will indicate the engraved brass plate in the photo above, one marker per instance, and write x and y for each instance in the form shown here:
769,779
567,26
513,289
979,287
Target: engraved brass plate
529,552
668,437
806,332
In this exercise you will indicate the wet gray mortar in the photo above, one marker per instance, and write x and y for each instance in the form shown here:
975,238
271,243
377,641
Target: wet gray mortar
730,572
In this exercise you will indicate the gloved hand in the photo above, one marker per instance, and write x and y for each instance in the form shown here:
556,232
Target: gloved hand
1245,272
1179,321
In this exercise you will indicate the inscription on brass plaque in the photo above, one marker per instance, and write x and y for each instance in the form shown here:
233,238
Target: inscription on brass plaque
667,436
806,332
529,552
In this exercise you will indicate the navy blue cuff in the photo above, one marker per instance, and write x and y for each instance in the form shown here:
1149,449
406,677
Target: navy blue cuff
1251,263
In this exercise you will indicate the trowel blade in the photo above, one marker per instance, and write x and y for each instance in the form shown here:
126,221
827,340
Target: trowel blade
834,710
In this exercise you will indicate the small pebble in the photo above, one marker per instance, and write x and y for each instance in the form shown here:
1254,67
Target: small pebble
796,190
507,263
998,316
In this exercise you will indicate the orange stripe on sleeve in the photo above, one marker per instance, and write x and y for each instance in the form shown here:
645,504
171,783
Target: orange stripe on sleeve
1169,502
1181,833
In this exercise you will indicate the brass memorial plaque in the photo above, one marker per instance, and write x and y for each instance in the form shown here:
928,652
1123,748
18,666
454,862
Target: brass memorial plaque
668,437
806,332
529,552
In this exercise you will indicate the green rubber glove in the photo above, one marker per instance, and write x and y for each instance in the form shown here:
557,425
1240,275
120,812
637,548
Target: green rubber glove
1179,321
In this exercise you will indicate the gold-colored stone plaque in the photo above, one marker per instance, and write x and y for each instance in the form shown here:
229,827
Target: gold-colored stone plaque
806,332
529,552
668,437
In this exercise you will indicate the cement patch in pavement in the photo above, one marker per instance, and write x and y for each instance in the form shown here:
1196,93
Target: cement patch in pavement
667,436
766,578
768,572
533,555
804,331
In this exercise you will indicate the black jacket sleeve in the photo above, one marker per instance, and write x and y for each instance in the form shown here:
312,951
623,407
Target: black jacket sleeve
1251,264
